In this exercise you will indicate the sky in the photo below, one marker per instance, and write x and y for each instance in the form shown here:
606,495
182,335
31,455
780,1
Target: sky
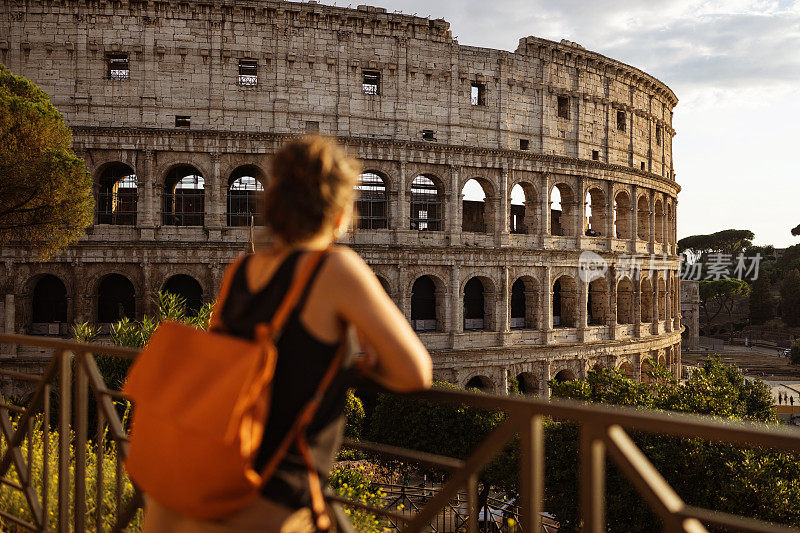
734,65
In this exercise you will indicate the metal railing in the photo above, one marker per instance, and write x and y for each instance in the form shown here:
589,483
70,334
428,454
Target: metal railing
73,370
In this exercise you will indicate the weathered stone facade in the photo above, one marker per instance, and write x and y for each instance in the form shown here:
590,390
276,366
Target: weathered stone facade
158,93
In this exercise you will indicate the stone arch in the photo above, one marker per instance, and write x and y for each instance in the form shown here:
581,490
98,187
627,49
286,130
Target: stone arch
245,194
662,299
625,303
645,367
427,309
426,199
187,288
527,383
597,302
117,192
564,302
647,300
116,298
476,205
659,217
480,382
624,365
622,215
183,199
477,295
49,305
524,303
643,218
385,284
524,208
562,210
372,202
595,208
565,374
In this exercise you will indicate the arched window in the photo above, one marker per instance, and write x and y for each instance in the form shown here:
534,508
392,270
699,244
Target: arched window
662,300
187,288
647,301
117,196
597,302
245,193
595,213
371,204
184,197
659,221
423,304
481,383
115,299
426,205
626,369
564,293
622,216
526,382
564,375
562,202
473,207
517,224
474,311
625,301
518,306
49,301
643,219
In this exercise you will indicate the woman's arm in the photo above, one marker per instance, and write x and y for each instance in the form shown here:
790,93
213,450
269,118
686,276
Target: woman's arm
403,363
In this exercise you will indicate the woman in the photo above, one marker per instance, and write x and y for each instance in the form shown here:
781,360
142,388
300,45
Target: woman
307,206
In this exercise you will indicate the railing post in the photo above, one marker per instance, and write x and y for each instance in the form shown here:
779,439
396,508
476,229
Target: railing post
81,409
64,411
472,504
532,473
592,482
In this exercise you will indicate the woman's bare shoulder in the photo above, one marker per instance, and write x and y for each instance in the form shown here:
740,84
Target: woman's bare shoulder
346,263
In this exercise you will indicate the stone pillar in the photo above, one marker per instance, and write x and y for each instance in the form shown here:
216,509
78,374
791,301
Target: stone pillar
580,215
637,301
546,306
544,226
611,278
216,203
9,325
401,222
504,306
668,325
146,208
503,211
456,306
652,217
544,377
403,302
609,229
634,217
581,313
454,207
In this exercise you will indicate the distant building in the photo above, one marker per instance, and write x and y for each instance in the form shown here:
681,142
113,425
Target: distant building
690,314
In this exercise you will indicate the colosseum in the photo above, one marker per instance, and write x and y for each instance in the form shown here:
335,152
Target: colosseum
488,174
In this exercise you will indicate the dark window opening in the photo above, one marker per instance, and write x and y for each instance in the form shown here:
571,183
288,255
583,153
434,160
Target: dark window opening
371,205
312,126
518,305
244,196
596,155
116,299
423,304
563,107
479,383
49,301
642,165
372,82
621,120
524,144
428,135
518,219
184,197
426,205
183,121
118,67
478,94
658,136
473,216
248,72
473,305
187,288
117,196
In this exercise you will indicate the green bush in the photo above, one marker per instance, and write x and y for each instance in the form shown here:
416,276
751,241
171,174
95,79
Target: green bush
795,353
357,484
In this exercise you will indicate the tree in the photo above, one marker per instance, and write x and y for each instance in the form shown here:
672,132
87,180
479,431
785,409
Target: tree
794,355
729,241
762,304
45,191
796,231
718,296
790,298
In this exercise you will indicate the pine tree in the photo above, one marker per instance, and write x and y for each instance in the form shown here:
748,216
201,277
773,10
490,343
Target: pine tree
790,298
762,304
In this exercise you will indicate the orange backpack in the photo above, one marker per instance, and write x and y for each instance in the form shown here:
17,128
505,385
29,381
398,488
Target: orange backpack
201,403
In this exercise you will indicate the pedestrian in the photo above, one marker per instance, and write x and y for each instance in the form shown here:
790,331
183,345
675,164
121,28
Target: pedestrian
780,398
307,208
791,400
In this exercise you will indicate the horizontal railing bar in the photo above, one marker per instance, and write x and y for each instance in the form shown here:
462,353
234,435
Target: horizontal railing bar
383,512
746,434
10,483
18,521
12,408
429,459
117,395
63,344
734,522
20,375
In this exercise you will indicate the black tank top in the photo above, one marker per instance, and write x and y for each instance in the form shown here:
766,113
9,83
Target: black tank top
302,361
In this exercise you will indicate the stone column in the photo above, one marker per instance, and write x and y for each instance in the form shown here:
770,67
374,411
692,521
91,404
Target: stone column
637,301
216,203
668,301
580,216
634,217
504,306
402,301
9,326
544,226
401,222
454,207
609,229
503,214
652,217
546,306
581,313
611,279
456,306
146,209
